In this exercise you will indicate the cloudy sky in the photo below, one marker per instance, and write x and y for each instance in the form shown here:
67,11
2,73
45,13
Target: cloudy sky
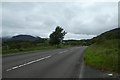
79,20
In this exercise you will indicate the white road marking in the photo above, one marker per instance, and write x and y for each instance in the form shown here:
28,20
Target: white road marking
110,75
27,63
66,51
62,52
71,49
81,70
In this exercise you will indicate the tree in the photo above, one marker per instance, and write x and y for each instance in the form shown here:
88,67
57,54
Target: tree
57,36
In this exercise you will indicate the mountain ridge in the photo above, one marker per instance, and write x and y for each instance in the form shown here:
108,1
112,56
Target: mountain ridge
22,37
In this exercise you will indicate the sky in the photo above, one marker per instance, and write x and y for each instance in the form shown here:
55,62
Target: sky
81,20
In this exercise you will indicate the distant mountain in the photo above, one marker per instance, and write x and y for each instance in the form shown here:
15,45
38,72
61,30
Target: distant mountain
25,38
21,38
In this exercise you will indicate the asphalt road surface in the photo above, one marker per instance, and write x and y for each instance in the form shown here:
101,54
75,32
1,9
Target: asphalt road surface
58,63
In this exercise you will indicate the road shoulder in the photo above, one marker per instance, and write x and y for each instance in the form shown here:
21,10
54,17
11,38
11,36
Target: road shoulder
89,72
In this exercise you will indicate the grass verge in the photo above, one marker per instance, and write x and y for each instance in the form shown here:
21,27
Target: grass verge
13,51
103,56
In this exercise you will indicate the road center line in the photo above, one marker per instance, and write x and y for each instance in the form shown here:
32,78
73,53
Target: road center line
27,63
81,70
66,51
62,52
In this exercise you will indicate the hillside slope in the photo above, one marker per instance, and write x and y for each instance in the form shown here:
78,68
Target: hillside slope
103,54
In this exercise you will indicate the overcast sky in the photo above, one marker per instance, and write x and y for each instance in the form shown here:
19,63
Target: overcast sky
79,20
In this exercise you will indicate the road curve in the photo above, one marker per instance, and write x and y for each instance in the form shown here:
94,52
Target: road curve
59,63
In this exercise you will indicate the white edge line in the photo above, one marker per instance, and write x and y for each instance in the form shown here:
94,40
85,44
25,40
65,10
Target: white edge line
81,70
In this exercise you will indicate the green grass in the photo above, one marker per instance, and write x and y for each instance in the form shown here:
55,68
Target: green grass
0,50
48,47
103,56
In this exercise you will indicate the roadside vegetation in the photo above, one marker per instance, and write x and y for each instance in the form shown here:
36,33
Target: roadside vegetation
104,53
0,50
32,48
103,56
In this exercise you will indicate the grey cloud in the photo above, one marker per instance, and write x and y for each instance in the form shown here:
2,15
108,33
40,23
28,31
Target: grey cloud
40,19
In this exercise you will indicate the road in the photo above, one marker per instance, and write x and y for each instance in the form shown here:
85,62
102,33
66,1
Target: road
58,63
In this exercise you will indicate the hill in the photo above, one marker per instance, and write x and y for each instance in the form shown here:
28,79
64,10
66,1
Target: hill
108,35
25,38
112,34
103,54
21,38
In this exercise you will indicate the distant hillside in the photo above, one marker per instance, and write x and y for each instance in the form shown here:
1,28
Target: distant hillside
108,35
25,38
21,38
112,34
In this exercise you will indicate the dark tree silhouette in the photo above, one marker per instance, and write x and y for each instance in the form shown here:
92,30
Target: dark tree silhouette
57,36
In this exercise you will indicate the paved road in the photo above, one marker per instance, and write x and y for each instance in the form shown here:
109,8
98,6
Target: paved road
59,63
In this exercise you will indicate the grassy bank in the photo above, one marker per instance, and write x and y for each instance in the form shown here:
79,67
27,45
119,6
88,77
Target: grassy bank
48,47
0,50
103,55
